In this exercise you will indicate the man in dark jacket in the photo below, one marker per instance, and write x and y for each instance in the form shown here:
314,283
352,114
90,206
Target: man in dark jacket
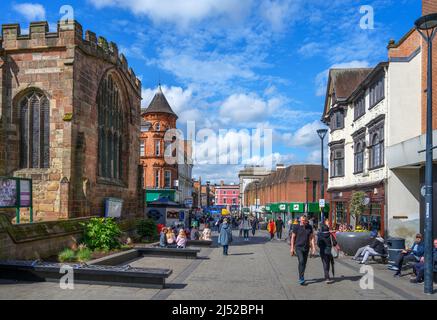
279,226
419,268
415,253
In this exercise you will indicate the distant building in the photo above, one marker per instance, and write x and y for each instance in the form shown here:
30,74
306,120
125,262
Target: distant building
250,174
228,195
284,188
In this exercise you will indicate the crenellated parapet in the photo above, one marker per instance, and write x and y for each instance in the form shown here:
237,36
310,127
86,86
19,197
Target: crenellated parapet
69,34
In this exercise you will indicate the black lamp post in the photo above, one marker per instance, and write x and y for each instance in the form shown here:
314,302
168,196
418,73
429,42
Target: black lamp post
427,27
256,197
207,194
322,134
307,179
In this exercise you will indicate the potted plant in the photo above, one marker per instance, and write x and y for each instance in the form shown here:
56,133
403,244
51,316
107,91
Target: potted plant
351,241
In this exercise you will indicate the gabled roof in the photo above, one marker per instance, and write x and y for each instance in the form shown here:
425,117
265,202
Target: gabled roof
342,83
159,104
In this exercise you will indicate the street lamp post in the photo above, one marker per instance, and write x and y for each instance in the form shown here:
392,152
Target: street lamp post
207,195
322,134
256,198
307,179
427,27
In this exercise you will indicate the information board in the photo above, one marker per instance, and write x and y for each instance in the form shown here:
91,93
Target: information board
113,207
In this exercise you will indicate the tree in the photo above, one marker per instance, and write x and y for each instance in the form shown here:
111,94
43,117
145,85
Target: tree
357,206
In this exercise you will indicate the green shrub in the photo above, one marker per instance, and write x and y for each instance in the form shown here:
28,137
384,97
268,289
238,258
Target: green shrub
147,229
67,255
102,234
83,254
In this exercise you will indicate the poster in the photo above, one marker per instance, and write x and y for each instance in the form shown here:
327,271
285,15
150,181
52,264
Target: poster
113,207
25,192
8,192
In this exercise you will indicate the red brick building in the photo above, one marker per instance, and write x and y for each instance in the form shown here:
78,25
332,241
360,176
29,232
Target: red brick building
156,120
296,183
70,120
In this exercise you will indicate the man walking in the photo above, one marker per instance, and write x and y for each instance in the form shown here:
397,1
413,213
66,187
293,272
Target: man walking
279,226
302,240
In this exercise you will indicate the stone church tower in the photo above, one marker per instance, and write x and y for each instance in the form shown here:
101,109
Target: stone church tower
69,120
156,120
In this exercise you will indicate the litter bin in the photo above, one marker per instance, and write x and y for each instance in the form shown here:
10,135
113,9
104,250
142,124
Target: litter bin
395,246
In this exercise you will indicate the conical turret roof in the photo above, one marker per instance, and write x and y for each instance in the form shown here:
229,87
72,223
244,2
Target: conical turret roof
159,104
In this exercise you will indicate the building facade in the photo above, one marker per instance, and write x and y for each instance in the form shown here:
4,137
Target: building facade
157,119
227,195
248,175
293,184
185,174
356,111
70,120
407,118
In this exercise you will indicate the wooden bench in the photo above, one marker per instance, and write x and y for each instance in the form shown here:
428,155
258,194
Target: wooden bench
169,252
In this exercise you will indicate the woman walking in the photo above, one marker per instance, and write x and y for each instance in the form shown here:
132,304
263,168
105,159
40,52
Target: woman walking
225,236
325,243
271,228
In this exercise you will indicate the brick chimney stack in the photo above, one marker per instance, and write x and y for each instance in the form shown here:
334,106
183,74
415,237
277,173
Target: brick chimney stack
429,6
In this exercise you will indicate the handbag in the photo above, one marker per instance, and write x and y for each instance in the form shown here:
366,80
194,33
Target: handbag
334,252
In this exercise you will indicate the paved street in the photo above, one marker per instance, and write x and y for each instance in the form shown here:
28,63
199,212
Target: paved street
258,269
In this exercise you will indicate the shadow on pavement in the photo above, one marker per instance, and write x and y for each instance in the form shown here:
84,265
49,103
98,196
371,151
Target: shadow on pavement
334,279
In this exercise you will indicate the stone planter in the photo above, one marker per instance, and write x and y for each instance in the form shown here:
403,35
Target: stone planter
350,242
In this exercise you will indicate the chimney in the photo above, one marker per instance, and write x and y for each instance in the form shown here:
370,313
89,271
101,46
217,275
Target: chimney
429,6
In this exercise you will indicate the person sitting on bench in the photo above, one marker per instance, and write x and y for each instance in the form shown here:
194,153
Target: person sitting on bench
410,255
359,253
419,268
376,248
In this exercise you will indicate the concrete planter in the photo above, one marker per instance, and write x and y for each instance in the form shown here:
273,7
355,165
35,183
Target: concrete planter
350,242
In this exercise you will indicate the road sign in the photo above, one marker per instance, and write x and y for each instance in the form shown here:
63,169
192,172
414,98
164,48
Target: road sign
322,203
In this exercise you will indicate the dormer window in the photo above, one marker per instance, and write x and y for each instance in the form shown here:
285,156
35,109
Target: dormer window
158,127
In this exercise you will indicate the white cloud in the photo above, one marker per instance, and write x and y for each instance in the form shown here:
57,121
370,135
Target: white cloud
306,136
322,77
246,108
211,69
31,11
279,12
179,12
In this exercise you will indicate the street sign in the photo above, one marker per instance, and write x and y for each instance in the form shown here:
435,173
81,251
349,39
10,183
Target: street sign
322,203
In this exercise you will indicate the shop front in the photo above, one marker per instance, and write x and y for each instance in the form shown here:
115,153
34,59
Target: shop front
373,217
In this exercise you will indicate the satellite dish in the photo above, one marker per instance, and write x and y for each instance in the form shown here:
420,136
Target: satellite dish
366,201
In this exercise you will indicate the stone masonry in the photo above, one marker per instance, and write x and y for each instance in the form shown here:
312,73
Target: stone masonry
68,69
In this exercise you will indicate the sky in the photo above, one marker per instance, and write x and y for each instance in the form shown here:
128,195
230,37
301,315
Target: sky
238,67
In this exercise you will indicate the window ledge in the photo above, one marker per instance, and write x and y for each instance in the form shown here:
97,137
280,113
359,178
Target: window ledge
376,168
117,183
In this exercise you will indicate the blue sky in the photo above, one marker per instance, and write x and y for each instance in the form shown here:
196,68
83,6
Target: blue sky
243,64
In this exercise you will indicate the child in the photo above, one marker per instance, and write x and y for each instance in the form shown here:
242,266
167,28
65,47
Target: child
181,240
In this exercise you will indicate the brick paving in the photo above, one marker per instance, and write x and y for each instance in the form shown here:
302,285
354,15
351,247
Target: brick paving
258,269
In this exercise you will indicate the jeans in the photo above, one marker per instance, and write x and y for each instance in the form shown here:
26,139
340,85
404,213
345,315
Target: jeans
225,250
368,252
272,235
359,252
279,233
246,234
302,257
253,231
419,270
404,257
